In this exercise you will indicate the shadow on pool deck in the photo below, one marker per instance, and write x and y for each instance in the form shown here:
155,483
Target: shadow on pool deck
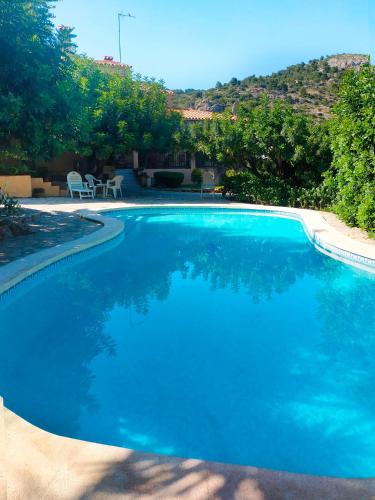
43,465
142,476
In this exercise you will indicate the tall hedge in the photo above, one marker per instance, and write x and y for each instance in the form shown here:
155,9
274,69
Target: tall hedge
353,145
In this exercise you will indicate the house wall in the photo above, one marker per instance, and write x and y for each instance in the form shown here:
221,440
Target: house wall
210,174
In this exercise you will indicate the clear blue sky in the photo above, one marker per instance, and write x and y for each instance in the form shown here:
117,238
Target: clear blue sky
195,43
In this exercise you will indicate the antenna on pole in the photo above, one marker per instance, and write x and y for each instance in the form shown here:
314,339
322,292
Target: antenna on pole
120,15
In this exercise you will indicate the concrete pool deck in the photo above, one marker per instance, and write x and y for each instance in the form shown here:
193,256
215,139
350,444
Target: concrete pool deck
35,464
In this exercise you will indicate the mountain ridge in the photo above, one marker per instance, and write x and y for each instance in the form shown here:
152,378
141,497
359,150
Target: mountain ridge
310,87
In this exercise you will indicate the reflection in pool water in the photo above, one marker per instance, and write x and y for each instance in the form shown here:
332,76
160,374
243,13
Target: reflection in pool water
202,334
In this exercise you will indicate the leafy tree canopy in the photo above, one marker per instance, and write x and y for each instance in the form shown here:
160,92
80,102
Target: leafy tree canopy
353,143
269,139
52,100
34,81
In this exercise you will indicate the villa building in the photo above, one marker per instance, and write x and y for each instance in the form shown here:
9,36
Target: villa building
179,161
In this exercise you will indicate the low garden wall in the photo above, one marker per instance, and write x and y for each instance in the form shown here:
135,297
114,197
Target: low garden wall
22,186
16,185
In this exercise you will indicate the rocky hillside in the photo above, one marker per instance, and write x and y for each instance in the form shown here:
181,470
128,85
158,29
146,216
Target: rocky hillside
310,87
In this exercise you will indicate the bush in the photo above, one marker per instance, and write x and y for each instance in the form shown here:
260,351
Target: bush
14,170
168,179
353,138
197,176
8,205
245,186
366,211
318,197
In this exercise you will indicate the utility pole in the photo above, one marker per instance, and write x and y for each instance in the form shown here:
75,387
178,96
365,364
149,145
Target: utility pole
371,18
120,15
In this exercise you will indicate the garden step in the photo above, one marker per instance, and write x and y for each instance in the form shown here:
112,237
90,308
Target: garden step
48,188
130,182
37,182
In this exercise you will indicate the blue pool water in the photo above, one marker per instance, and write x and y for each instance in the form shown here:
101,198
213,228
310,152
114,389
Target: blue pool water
209,334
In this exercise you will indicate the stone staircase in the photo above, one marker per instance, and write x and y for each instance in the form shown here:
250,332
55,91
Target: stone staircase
130,183
49,188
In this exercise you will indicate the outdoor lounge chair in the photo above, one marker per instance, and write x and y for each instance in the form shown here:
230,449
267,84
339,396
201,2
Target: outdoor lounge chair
75,185
95,184
115,185
208,184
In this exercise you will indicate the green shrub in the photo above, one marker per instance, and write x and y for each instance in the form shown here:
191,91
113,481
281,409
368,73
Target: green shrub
168,179
8,205
245,186
197,176
366,211
318,197
353,138
14,170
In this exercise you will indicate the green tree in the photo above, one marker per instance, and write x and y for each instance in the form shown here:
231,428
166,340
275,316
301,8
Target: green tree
353,143
234,81
121,112
270,139
35,80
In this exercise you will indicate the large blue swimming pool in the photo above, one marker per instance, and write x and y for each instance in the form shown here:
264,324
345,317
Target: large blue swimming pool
211,334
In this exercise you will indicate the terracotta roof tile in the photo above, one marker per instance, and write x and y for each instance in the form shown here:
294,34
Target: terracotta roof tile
108,61
195,114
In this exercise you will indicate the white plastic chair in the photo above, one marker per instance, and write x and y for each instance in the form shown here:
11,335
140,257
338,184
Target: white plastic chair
115,185
75,185
95,184
208,183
